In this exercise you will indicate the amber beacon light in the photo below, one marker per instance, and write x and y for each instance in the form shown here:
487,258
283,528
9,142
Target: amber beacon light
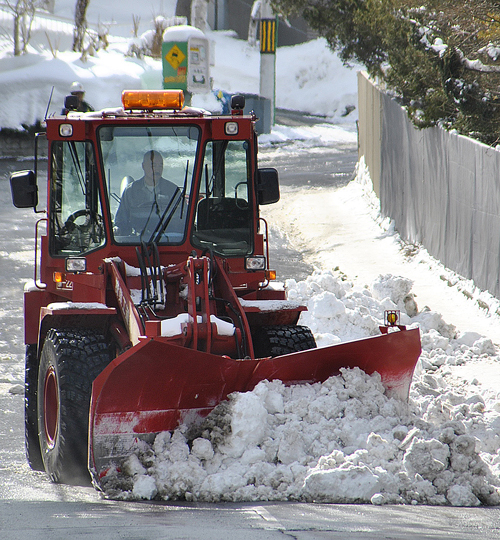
153,99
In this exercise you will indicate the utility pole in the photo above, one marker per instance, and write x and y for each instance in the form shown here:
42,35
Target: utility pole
268,42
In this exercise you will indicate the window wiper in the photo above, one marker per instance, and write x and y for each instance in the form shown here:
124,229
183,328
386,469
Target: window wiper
77,164
184,189
166,217
171,208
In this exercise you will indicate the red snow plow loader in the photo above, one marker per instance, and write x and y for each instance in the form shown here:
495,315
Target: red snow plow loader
152,298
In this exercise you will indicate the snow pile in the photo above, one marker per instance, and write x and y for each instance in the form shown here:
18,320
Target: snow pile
324,86
310,138
343,440
337,311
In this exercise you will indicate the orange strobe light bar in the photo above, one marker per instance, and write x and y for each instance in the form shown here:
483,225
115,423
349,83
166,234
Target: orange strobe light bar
153,99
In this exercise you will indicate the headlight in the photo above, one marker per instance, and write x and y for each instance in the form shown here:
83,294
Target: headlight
231,128
76,265
65,130
255,263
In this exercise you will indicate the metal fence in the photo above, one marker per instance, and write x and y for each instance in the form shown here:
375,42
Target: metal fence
441,189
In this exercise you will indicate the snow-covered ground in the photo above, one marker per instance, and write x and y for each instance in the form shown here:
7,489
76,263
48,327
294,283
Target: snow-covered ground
309,77
344,440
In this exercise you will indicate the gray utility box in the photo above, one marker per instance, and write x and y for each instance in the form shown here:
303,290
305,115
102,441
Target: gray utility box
261,106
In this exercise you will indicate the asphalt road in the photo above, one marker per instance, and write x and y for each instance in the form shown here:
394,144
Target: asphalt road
299,169
31,508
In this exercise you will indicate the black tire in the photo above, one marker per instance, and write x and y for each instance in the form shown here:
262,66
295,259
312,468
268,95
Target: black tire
71,359
278,340
32,442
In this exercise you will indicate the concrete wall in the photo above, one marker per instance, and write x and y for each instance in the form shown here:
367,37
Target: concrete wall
235,15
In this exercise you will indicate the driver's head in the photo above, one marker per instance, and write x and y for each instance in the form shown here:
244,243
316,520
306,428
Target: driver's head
152,165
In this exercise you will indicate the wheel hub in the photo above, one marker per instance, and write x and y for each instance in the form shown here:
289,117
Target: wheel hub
51,407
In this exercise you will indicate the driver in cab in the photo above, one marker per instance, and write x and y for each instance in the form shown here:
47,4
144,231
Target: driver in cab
148,200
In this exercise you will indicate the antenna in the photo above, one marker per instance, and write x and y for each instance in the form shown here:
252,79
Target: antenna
48,104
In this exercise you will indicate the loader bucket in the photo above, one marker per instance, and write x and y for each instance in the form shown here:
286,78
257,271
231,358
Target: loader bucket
155,386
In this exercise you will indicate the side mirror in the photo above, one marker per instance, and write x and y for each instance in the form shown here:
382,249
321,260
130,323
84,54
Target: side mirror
24,189
268,189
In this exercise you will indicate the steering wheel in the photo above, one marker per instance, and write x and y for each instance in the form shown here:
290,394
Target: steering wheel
70,224
86,234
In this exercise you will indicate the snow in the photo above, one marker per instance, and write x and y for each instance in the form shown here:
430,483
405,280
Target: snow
182,32
343,440
56,306
270,305
309,77
173,327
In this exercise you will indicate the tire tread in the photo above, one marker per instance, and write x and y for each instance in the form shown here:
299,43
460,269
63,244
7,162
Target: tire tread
80,354
282,339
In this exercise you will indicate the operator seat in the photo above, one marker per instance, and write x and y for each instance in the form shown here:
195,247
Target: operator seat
222,213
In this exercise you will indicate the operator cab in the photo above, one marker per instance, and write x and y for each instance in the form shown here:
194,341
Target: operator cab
219,203
151,172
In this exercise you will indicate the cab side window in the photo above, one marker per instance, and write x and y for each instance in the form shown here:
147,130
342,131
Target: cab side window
76,224
223,216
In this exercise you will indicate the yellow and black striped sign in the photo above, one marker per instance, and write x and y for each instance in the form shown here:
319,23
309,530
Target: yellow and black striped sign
268,36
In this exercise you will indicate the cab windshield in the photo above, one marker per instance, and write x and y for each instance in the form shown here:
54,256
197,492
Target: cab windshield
148,172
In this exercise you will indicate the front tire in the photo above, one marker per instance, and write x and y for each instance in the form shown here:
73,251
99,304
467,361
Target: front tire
70,361
31,439
282,339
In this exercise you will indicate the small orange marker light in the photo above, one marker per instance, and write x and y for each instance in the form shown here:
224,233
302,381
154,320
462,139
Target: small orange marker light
392,318
59,277
271,275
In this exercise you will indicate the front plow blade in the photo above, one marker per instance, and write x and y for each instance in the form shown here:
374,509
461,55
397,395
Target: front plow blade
156,386
153,387
393,356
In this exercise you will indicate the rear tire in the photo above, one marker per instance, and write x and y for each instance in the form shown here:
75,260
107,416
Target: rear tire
70,361
32,442
278,340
